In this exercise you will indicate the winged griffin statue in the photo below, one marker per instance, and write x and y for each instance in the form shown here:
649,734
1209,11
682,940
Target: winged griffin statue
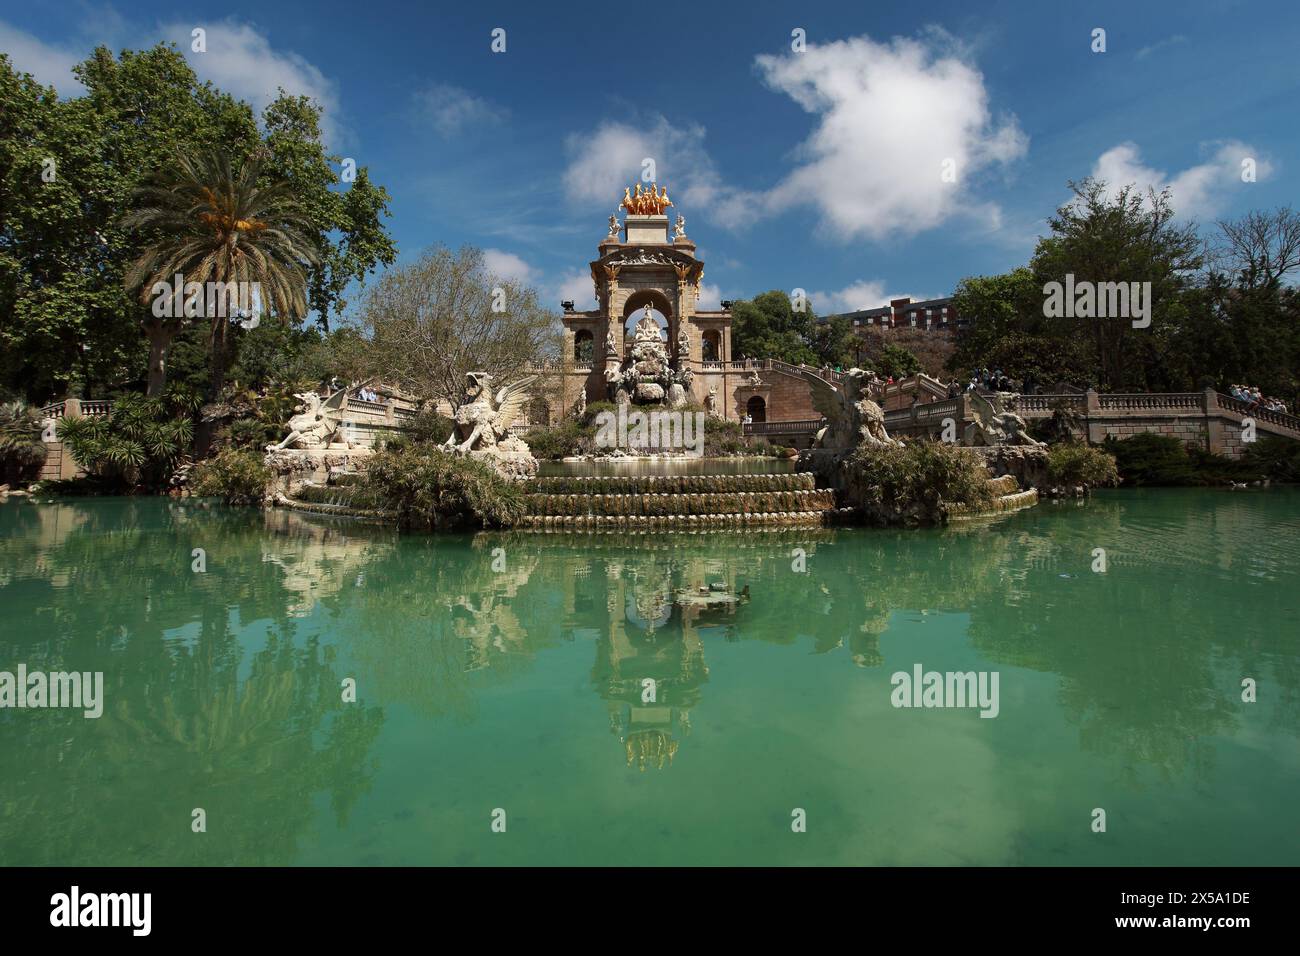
851,416
317,424
996,422
484,418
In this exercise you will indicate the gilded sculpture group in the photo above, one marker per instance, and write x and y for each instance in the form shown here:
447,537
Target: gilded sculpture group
647,203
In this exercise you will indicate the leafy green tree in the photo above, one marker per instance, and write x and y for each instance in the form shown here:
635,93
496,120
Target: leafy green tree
994,307
768,326
68,169
1126,237
835,343
898,362
348,223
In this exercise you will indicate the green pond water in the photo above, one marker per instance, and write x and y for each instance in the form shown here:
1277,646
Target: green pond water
506,672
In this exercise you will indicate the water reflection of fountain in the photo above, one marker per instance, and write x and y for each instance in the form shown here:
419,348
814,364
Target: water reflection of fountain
318,558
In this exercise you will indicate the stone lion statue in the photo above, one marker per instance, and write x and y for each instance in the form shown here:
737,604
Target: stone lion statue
484,418
317,424
851,417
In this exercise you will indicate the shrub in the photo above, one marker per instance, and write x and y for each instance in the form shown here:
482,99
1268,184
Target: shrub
254,433
431,489
558,441
136,444
917,479
21,450
1275,457
1074,463
428,428
1151,459
594,409
237,476
722,437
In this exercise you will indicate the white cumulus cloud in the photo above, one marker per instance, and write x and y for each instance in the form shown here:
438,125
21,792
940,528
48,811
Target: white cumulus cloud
49,64
864,294
889,117
508,266
241,61
1200,190
604,161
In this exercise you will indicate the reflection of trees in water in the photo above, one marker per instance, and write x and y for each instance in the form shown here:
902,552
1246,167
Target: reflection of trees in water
431,621
1148,666
250,751
113,586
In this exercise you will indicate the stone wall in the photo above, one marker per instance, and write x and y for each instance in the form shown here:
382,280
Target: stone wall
1205,420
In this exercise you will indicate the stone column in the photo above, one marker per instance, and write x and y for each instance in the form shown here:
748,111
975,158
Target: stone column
1215,440
1092,412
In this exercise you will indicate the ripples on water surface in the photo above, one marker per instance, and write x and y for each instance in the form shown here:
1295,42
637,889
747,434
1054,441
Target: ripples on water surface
521,689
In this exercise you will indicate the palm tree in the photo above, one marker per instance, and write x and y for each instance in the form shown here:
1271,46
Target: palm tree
214,225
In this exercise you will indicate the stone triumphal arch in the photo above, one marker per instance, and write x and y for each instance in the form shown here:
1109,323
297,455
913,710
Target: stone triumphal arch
648,262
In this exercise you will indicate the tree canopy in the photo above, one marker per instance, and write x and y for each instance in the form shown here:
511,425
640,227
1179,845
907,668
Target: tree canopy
68,170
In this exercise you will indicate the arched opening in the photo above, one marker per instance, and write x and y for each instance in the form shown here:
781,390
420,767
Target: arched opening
633,317
756,409
712,346
584,347
539,412
661,310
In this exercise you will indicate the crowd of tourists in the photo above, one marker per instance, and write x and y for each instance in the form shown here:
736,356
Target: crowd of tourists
983,380
1252,396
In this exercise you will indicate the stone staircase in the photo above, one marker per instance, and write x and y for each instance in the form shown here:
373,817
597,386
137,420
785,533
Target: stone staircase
661,502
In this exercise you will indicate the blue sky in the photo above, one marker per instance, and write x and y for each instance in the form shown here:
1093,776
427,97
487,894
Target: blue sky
820,169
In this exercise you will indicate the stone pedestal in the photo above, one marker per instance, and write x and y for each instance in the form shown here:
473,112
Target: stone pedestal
647,230
293,467
511,457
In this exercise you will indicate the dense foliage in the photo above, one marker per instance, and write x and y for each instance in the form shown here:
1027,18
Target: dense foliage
236,476
1151,459
136,445
432,490
916,480
1221,309
769,326
1275,458
897,362
69,167
21,450
1075,463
